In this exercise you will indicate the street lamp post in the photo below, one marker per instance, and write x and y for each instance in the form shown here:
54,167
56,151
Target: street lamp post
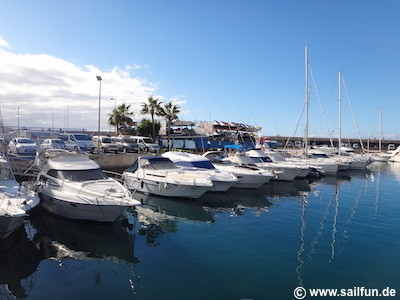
115,110
98,124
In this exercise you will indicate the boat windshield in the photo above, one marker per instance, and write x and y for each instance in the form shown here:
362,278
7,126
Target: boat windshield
82,175
82,137
6,173
261,159
164,165
206,164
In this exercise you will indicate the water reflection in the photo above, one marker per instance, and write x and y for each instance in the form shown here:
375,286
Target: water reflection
330,218
19,259
61,238
394,167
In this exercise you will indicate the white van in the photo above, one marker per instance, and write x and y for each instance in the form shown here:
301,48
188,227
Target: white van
146,143
105,143
77,141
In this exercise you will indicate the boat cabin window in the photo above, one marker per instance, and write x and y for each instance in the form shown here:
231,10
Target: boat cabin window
82,175
206,164
261,159
320,155
6,173
52,173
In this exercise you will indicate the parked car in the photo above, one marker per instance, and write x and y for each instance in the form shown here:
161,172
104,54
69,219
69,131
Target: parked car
22,146
146,143
52,144
105,144
125,143
391,147
77,141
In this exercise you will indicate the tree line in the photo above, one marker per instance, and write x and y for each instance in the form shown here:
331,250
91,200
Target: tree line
121,116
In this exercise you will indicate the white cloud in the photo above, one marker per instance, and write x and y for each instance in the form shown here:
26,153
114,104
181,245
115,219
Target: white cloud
43,85
3,43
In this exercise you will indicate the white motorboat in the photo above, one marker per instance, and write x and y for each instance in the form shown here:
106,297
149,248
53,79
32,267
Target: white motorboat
395,155
15,201
73,186
277,157
222,181
262,160
160,176
249,177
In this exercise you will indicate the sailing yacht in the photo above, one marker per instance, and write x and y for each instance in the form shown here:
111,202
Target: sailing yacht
15,203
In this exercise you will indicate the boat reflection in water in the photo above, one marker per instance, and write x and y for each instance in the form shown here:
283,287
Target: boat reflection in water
61,238
19,259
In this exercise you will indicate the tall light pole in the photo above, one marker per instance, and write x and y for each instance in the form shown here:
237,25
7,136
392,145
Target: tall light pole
115,110
98,124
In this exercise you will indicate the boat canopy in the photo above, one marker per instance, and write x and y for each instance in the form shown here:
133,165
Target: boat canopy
235,147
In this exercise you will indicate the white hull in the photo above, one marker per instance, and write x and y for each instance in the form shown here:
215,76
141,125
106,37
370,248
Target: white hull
381,158
395,158
9,225
288,174
358,165
251,181
221,186
329,169
81,211
165,189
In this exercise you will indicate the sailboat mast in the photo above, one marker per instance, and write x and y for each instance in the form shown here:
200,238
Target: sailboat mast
380,130
307,99
340,111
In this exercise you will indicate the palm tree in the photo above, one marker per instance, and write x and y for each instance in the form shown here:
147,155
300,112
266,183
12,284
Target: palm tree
120,116
152,107
170,111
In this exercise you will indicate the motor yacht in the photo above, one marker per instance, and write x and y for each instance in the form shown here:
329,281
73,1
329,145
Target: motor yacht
15,201
262,160
221,180
160,176
73,186
249,177
304,168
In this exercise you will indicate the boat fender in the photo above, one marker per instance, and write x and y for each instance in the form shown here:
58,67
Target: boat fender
141,183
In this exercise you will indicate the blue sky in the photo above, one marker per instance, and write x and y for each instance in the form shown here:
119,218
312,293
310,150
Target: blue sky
240,61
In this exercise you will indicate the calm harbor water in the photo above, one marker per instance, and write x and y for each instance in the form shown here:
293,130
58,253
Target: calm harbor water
336,232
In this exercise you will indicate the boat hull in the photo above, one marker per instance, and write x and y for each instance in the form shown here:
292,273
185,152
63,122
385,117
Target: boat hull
251,181
8,225
165,189
358,165
221,186
80,211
